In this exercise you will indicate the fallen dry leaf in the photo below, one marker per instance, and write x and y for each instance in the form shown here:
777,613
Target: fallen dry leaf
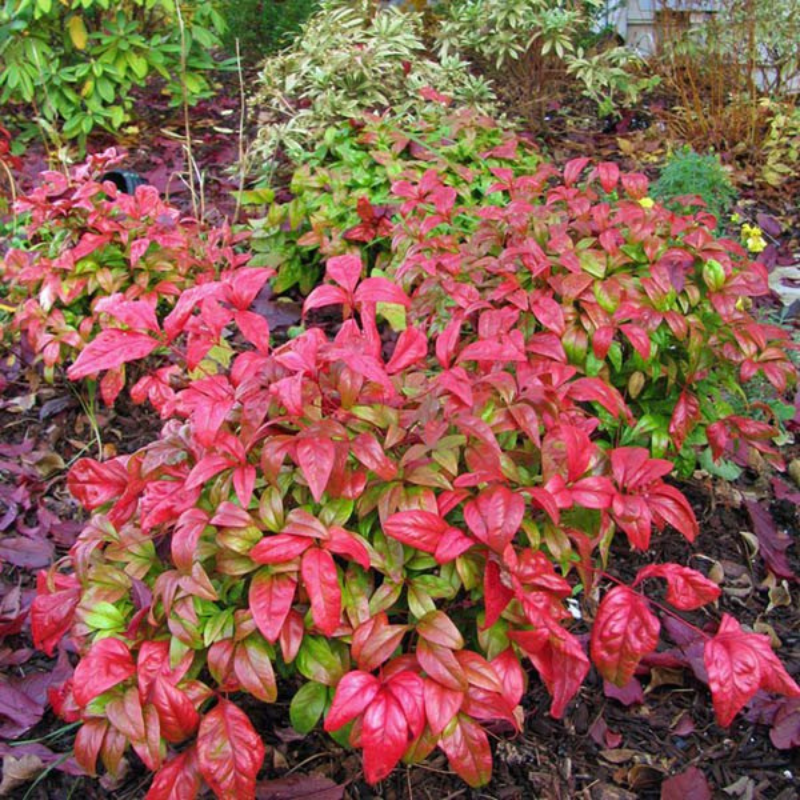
19,771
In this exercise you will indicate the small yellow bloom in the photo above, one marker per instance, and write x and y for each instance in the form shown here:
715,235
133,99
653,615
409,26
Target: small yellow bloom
647,202
736,219
756,244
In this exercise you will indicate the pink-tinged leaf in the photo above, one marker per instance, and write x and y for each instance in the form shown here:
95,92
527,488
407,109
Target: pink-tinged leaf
688,785
738,665
543,499
549,313
108,663
153,661
344,270
384,736
447,341
437,628
254,328
773,543
381,290
229,752
374,641
321,581
687,589
494,516
111,348
347,544
354,692
441,705
629,694
419,529
88,742
669,506
593,389
186,536
280,549
441,665
624,630
325,295
452,544
560,661
684,417
178,779
785,731
136,314
468,751
412,346
608,172
573,169
94,484
601,341
253,669
369,452
635,185
125,714
176,712
316,456
270,600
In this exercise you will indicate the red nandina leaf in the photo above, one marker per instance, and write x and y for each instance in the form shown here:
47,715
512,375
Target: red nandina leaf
125,714
494,516
496,594
412,346
573,169
638,338
178,779
107,664
468,752
452,544
668,505
185,537
593,389
684,417
94,484
419,529
384,736
738,665
347,544
229,752
511,674
316,456
354,692
369,452
441,665
253,668
321,581
109,350
176,713
254,328
608,172
625,629
408,688
270,600
325,295
51,616
441,705
687,589
344,270
279,549
559,660
381,290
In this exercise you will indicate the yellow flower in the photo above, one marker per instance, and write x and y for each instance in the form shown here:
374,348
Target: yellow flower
756,244
647,202
736,219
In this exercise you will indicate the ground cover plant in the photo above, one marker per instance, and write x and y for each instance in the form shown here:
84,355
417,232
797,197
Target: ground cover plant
401,522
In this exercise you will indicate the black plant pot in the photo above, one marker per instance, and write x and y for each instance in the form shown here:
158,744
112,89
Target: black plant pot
124,180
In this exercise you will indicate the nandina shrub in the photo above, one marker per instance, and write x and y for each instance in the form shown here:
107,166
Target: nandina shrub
339,198
603,280
401,530
86,243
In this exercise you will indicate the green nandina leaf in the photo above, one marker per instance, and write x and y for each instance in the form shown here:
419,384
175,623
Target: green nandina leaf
307,706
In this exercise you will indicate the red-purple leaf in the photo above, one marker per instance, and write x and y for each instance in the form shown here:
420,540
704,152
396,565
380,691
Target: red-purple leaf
687,589
354,692
468,753
321,581
178,779
688,785
270,601
494,516
316,456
